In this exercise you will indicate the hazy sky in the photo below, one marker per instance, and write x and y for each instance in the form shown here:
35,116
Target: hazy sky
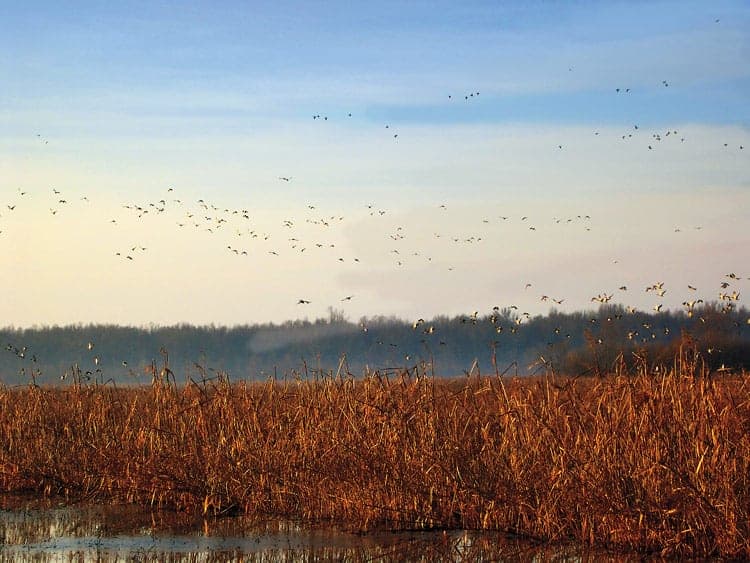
414,138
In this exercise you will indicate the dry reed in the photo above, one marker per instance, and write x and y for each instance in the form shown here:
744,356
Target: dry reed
635,462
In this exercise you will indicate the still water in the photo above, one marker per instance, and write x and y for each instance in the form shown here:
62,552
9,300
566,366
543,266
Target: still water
40,530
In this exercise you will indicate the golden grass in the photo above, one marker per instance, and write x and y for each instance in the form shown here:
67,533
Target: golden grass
652,463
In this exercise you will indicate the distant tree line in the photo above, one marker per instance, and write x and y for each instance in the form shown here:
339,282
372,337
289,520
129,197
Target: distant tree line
500,341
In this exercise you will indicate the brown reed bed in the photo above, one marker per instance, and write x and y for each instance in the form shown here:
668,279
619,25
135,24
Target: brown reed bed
634,462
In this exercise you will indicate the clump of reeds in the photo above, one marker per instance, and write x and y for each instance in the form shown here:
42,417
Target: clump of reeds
652,462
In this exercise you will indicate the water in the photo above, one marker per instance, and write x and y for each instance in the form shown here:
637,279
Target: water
39,531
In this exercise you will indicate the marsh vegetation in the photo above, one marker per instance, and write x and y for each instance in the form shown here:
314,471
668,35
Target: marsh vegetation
649,458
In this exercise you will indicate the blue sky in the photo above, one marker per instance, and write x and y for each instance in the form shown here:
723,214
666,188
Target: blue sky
118,102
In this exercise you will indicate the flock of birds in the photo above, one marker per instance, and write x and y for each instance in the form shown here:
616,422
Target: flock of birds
634,132
315,231
508,319
33,371
306,234
211,220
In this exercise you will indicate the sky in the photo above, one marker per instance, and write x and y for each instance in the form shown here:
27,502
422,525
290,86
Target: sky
219,162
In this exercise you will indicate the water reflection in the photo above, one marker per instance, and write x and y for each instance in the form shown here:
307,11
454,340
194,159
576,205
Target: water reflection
35,530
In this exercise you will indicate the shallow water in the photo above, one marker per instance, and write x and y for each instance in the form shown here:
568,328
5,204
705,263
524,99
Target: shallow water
38,530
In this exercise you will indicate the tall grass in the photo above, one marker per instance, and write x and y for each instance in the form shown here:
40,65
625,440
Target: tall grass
652,462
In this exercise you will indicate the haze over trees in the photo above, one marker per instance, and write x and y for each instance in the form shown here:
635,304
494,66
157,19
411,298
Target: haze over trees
501,341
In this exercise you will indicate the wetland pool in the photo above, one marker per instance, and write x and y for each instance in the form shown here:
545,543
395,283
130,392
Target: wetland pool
42,530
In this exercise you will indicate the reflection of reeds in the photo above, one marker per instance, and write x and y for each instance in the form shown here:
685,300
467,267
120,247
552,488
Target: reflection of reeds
646,462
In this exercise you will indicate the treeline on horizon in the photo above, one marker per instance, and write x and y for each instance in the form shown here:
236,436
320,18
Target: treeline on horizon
579,343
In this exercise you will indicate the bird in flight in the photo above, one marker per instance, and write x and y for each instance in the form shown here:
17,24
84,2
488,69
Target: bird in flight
303,302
